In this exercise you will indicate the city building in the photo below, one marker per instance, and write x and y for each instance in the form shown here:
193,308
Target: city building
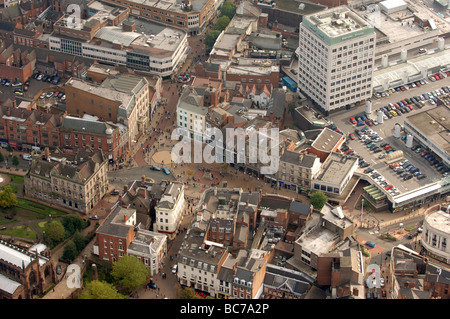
123,99
415,277
170,209
191,113
285,283
297,170
436,234
323,232
335,174
72,181
25,129
336,58
199,261
111,36
16,63
89,132
25,273
192,16
150,248
343,271
115,234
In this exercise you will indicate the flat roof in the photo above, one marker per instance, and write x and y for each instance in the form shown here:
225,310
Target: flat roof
337,24
439,220
336,168
434,124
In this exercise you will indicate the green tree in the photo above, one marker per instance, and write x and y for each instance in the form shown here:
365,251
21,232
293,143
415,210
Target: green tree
7,197
129,273
222,23
210,38
228,9
70,251
318,200
15,160
54,232
79,240
186,293
100,290
72,223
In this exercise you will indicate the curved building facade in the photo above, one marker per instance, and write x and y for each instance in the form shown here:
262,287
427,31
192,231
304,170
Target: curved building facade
436,235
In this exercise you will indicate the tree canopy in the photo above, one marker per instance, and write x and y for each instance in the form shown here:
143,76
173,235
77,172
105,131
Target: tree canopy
15,160
70,251
100,290
228,9
210,38
318,200
129,273
222,23
7,197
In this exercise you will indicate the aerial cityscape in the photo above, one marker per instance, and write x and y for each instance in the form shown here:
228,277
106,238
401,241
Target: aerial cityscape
224,149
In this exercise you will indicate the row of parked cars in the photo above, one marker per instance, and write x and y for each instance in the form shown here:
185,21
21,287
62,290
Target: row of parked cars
381,180
433,161
58,94
406,170
401,88
47,78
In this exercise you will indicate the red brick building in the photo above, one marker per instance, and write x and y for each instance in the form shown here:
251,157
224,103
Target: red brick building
23,128
115,234
16,63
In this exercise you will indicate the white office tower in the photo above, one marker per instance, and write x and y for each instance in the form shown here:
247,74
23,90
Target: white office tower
336,58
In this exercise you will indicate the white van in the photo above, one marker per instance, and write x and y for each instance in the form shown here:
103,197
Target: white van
27,157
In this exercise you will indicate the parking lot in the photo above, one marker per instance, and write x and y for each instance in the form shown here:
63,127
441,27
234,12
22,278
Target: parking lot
7,92
385,131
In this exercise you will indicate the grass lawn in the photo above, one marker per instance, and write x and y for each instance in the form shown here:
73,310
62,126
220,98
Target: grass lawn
22,231
14,188
41,210
16,179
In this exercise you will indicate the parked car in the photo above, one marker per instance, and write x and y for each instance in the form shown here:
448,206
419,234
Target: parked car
27,157
370,244
174,269
114,192
155,168
166,171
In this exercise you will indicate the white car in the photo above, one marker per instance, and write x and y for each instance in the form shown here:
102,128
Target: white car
174,269
27,157
42,96
49,94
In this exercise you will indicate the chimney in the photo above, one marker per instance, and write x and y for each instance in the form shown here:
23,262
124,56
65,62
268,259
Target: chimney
47,153
246,203
355,291
21,113
14,103
42,117
125,217
125,189
143,192
120,200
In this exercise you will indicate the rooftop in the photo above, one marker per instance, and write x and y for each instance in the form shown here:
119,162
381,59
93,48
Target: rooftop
439,220
336,168
434,124
337,24
327,140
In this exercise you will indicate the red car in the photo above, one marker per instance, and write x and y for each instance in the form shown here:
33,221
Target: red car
388,187
369,122
387,147
352,136
352,120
